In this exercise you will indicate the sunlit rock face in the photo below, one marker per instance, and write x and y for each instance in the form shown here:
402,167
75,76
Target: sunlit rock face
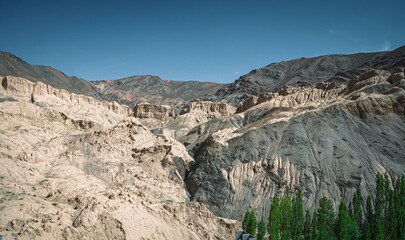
191,157
194,114
73,167
325,140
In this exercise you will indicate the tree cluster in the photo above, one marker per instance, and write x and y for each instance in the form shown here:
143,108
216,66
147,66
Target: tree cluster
381,216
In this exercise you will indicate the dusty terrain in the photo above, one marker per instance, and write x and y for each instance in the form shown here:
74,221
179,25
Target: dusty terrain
76,168
164,162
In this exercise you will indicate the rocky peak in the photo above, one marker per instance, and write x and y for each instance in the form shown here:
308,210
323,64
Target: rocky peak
210,108
161,112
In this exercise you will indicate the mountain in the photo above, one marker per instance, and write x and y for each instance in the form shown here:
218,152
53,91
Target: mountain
11,65
73,167
326,140
306,72
128,91
154,90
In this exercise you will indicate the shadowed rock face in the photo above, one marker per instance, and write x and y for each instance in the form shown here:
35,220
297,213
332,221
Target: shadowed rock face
154,90
326,141
11,65
306,72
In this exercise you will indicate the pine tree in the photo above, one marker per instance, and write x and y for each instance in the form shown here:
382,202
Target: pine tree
274,220
307,225
368,222
400,202
246,220
298,217
326,215
357,209
261,229
351,211
322,228
315,227
391,219
286,217
378,225
252,224
343,221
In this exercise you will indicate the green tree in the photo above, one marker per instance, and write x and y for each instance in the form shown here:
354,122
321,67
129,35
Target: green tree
307,225
298,217
400,207
378,225
274,220
249,223
252,224
357,209
392,218
245,220
286,217
351,211
368,222
315,227
343,222
326,218
261,229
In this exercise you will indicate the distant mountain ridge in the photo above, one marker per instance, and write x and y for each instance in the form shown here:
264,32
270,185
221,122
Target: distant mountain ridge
306,72
128,91
11,65
178,94
154,90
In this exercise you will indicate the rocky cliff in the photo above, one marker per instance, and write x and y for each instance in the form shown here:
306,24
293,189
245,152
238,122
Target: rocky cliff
72,104
195,114
75,168
325,140
154,116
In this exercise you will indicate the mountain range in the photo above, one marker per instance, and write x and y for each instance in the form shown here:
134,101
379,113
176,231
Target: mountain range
154,90
147,158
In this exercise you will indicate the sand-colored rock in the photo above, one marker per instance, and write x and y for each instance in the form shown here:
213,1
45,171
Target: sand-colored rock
73,105
77,168
195,114
153,116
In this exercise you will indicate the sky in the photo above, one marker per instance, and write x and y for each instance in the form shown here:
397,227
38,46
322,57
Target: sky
207,40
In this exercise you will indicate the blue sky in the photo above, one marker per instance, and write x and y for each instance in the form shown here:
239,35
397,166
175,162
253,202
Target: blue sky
192,40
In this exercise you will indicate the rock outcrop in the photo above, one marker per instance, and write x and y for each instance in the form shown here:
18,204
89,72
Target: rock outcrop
160,112
306,72
11,65
154,116
325,141
211,109
195,114
42,94
74,167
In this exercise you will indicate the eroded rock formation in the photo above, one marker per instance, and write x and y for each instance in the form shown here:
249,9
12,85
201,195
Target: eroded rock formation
326,141
73,167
